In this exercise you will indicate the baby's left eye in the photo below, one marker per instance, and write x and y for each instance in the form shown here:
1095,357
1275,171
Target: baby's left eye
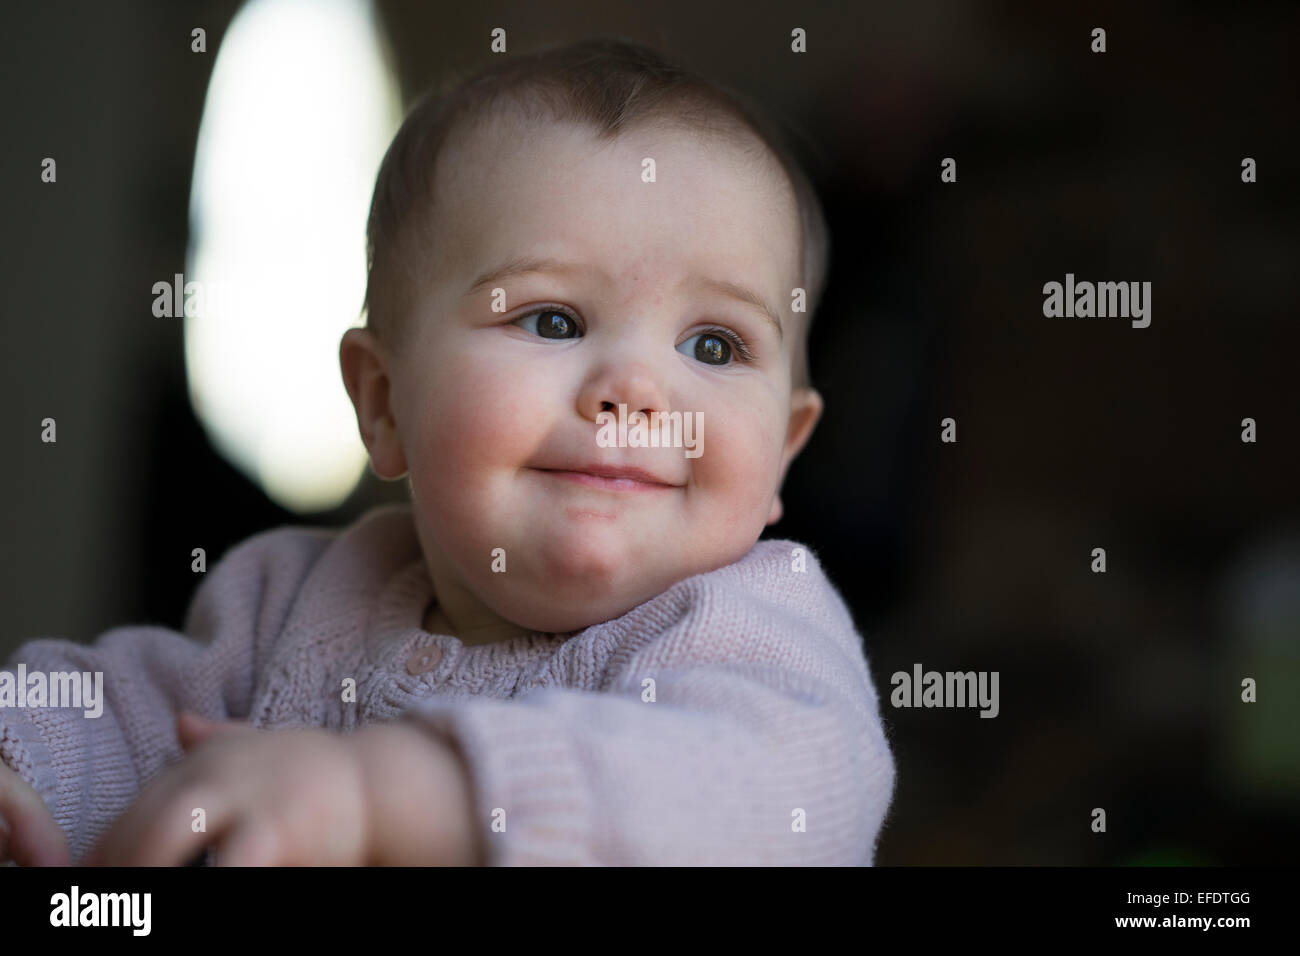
714,347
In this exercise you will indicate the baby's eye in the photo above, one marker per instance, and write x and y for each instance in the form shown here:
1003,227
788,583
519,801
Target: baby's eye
550,324
714,347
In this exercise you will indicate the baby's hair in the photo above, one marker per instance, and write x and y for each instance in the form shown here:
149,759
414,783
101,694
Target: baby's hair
609,85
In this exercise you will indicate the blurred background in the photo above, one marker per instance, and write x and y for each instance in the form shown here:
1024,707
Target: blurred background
254,158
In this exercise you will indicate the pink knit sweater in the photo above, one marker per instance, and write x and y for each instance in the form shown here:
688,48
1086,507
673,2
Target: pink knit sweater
731,720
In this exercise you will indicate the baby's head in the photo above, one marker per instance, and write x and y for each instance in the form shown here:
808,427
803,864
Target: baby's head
565,234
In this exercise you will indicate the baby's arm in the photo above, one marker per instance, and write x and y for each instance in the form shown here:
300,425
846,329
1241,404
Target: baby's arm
88,768
763,745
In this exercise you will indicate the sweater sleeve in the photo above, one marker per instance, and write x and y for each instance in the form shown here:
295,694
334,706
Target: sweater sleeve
762,745
88,767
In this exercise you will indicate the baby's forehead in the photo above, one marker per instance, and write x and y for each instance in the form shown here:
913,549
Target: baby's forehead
507,137
522,180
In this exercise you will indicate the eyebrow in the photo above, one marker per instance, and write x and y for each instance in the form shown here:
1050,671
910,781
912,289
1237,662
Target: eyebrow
743,294
518,266
521,265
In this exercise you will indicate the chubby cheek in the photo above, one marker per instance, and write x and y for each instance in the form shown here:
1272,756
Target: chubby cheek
734,479
473,430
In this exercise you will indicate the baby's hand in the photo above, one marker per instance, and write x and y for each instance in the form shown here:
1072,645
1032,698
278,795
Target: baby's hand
383,795
29,834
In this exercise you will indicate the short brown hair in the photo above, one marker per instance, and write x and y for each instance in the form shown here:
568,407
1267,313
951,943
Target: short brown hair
607,84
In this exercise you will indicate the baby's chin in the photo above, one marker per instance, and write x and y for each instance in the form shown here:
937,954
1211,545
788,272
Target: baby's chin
570,590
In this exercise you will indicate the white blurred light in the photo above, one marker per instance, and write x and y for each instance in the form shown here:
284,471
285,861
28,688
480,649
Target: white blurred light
301,106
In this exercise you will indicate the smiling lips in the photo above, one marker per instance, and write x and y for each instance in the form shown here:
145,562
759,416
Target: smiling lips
611,477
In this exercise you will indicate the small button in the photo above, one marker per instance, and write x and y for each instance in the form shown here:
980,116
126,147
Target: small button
424,660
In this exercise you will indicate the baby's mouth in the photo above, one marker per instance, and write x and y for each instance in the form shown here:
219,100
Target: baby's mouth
611,477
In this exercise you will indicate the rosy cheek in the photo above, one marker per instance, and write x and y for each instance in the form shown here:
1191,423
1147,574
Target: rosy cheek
480,413
739,458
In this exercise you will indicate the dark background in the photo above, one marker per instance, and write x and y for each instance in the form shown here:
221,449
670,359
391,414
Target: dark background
1118,690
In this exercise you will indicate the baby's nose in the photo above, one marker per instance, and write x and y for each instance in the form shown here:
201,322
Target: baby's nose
636,388
613,407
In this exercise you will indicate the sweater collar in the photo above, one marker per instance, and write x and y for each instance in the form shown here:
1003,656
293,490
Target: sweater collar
396,629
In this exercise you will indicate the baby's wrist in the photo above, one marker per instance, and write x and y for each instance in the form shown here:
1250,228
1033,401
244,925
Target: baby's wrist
417,798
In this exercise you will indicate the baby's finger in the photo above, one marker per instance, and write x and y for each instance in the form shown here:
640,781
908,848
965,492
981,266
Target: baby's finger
193,729
35,845
29,834
160,829
252,841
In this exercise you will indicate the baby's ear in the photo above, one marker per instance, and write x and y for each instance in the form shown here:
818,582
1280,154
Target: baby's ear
367,380
805,411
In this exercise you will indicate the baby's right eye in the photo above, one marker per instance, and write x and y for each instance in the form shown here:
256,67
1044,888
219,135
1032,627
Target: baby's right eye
551,323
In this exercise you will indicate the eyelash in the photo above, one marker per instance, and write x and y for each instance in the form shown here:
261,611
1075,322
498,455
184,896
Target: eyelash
739,345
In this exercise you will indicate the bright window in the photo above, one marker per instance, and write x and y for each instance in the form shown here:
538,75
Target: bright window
301,106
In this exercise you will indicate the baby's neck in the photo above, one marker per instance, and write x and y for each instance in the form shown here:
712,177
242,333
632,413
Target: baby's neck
436,622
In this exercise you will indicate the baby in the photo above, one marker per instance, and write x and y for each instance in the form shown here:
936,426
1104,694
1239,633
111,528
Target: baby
568,649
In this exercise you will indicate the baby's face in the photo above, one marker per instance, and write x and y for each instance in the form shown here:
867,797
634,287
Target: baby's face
496,412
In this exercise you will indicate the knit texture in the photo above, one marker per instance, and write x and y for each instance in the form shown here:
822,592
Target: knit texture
731,720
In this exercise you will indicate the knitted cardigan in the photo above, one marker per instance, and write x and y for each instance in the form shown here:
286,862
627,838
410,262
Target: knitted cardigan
731,720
